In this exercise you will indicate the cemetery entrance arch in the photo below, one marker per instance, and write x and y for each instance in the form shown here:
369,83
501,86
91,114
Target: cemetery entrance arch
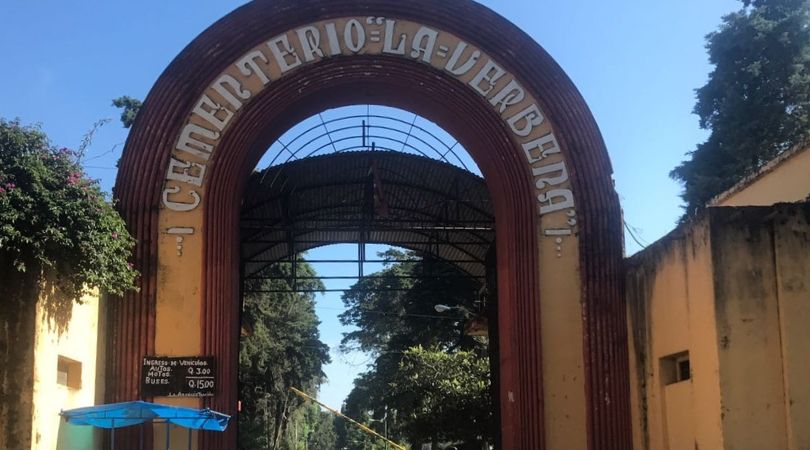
268,65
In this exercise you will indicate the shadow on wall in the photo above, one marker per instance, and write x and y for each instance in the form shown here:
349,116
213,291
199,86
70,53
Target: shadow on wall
56,310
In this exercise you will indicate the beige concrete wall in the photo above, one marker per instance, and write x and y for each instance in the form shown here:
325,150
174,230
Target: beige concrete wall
763,313
67,330
703,348
680,422
792,259
784,181
751,377
733,290
671,311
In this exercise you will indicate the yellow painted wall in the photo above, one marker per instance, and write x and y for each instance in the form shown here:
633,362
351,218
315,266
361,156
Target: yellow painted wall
70,331
785,181
703,349
751,377
791,250
671,310
733,290
563,367
680,423
177,320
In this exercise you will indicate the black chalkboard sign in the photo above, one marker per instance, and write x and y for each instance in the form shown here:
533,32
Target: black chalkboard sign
187,376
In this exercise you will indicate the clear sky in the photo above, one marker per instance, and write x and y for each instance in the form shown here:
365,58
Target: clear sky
636,62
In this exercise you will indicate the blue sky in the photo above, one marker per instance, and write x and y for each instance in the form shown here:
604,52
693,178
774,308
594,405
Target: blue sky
636,62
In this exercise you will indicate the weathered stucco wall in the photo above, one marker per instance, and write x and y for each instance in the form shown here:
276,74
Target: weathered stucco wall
732,290
34,336
17,368
748,328
70,332
671,311
792,257
762,282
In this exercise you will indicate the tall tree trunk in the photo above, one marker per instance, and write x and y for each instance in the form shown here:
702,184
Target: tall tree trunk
281,417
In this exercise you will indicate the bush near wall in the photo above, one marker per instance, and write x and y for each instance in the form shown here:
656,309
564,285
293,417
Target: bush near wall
58,233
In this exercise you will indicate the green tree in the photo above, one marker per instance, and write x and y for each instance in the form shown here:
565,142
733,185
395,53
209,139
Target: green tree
394,313
59,234
324,435
55,221
443,397
282,349
309,429
394,309
756,102
131,107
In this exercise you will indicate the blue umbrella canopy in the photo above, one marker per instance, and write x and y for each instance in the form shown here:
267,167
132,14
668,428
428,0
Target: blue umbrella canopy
119,415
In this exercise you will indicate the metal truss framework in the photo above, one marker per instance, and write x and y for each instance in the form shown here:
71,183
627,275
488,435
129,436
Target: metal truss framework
415,192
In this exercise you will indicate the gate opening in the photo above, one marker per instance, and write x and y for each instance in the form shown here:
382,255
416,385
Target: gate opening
417,284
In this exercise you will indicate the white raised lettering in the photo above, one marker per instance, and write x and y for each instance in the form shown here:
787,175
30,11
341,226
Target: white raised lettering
190,144
423,43
198,140
179,206
388,43
559,171
532,118
208,109
464,68
354,35
511,94
548,203
332,37
248,66
490,73
179,171
310,39
235,88
281,48
545,145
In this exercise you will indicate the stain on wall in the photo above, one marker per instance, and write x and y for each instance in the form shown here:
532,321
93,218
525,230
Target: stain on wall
732,289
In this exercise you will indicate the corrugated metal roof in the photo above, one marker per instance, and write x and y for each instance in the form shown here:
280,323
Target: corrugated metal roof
367,196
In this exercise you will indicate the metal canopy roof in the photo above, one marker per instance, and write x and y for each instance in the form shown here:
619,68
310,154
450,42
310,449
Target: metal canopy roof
380,197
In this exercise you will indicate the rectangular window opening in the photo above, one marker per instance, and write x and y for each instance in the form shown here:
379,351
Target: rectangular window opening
69,373
675,368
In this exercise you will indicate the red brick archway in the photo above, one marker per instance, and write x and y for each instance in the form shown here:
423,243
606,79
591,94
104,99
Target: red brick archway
434,94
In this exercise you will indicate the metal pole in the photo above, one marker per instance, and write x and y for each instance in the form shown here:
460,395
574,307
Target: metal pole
112,436
167,436
140,437
349,419
189,439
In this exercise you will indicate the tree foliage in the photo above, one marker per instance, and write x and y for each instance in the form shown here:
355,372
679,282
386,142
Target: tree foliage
393,310
130,107
282,349
55,222
396,321
443,395
310,429
756,102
